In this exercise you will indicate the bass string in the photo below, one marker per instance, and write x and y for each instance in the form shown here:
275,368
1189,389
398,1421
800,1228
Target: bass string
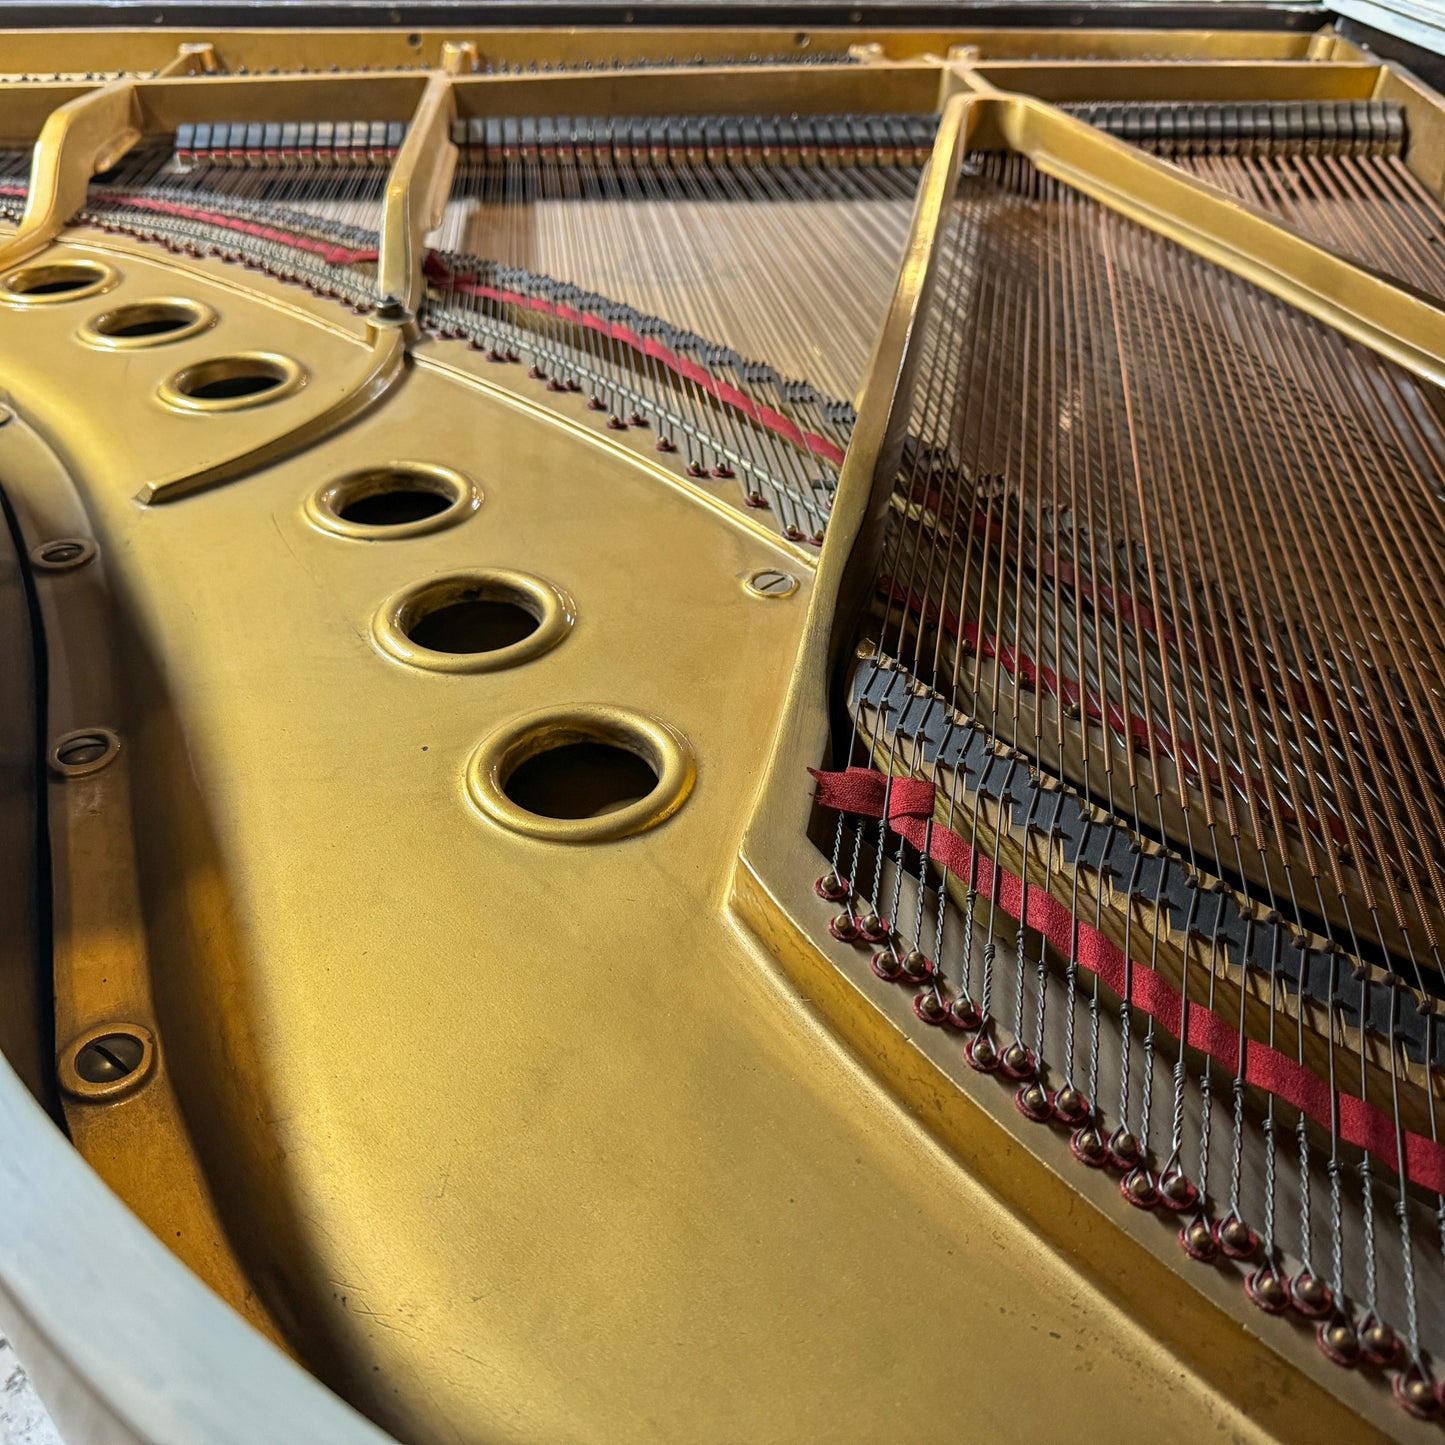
1217,596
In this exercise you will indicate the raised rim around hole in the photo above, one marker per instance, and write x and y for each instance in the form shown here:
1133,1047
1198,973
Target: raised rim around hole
45,556
549,605
82,1088
175,389
194,318
13,283
325,505
106,736
503,751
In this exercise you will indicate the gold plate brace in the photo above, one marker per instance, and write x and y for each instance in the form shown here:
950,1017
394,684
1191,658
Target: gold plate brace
80,138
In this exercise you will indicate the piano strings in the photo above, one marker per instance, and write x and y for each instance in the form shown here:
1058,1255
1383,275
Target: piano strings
1158,617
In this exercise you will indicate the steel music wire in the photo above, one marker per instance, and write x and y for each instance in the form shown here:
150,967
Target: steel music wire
722,247
745,243
1162,541
1075,334
1336,174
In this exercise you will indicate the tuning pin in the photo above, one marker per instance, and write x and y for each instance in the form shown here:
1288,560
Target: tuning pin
832,887
844,927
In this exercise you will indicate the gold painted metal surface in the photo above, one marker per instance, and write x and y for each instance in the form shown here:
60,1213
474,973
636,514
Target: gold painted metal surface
191,58
1398,322
115,330
138,1145
429,1234
327,506
566,1129
551,610
416,192
1058,81
35,285
186,389
81,137
177,451
503,752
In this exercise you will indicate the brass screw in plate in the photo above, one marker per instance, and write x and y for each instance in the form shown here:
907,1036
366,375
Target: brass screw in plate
109,1059
63,554
86,750
107,1062
770,582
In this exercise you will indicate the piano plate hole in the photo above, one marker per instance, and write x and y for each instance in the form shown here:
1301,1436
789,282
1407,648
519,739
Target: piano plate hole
56,281
395,508
147,323
478,621
580,780
476,624
582,774
231,383
400,499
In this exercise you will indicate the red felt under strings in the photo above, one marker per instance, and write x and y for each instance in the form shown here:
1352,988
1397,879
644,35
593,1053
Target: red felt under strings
910,804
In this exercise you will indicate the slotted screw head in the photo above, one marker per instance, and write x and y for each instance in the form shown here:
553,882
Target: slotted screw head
773,583
109,1058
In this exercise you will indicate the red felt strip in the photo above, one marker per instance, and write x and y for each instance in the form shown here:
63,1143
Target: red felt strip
861,791
439,272
1306,694
333,255
1022,668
